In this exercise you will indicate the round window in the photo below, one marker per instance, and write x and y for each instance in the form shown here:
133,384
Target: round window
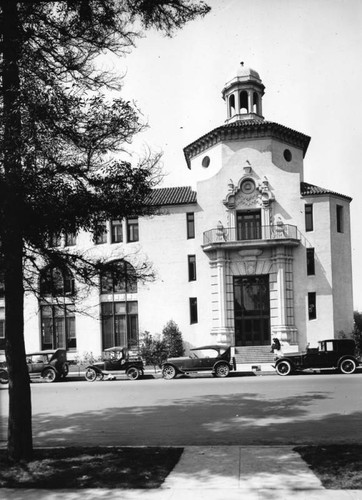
287,155
205,161
247,186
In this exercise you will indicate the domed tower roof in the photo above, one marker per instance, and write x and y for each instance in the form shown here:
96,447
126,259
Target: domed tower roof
243,95
245,73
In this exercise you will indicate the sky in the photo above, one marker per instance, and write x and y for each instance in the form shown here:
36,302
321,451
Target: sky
308,54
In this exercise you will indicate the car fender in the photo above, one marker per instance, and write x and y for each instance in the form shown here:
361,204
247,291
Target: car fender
95,367
285,358
348,356
222,361
46,368
177,368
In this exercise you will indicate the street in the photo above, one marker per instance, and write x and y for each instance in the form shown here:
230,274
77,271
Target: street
239,410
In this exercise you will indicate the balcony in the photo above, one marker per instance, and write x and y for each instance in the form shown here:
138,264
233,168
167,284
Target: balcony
253,236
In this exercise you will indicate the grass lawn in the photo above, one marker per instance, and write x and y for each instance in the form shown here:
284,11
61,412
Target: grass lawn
337,466
96,467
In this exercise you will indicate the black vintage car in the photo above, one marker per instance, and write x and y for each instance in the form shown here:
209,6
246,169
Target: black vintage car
339,354
116,359
50,365
216,359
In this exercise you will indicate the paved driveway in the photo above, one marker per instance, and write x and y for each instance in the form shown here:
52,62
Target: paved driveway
240,410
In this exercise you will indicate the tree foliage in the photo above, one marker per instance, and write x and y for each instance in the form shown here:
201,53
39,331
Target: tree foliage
153,350
63,162
172,337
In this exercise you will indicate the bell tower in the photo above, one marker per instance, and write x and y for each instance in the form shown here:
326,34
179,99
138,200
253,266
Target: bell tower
243,96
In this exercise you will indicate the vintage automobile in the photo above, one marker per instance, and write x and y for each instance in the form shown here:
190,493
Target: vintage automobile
50,365
216,359
116,359
339,354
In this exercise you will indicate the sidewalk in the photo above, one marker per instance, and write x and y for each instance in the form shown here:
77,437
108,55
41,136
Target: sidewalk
217,473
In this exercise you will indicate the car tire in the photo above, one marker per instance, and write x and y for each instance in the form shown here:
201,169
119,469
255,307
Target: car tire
133,373
91,374
169,372
347,366
222,370
49,375
284,368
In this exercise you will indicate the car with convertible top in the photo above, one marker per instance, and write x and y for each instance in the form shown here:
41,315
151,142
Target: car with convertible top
337,354
115,360
216,359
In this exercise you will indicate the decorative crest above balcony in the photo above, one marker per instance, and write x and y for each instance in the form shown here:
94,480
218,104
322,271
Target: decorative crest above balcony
249,192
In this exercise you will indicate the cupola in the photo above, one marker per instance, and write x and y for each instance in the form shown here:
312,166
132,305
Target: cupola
243,95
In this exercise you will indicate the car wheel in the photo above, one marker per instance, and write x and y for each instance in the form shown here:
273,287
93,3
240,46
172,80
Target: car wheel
133,373
169,372
49,375
284,368
347,366
222,370
4,377
91,374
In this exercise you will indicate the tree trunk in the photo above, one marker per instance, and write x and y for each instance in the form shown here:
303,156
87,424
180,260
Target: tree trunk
20,445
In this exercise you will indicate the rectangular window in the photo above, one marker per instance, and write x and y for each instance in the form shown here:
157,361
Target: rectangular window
70,239
190,217
119,324
249,225
312,306
310,262
58,327
193,310
54,240
2,327
116,231
100,235
192,267
340,219
309,217
132,229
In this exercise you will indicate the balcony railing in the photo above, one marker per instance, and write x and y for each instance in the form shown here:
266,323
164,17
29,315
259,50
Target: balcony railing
251,233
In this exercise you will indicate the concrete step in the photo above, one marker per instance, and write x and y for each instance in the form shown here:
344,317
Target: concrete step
253,354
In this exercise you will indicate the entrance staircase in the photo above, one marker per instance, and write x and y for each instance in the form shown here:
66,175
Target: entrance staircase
256,358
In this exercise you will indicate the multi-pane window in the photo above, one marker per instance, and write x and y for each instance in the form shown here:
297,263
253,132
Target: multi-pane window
58,326
116,231
190,221
312,305
54,240
132,229
192,267
310,261
309,217
55,282
193,310
100,234
119,279
119,324
2,327
70,239
2,285
340,219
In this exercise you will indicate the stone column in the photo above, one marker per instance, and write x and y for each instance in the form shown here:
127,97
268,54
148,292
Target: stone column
284,329
220,320
250,101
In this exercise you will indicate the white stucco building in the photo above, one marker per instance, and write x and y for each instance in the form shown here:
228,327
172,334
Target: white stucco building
253,252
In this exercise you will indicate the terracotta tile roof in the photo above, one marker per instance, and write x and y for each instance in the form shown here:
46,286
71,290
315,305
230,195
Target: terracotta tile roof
307,189
171,196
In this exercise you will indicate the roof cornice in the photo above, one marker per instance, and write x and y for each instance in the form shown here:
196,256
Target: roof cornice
248,129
